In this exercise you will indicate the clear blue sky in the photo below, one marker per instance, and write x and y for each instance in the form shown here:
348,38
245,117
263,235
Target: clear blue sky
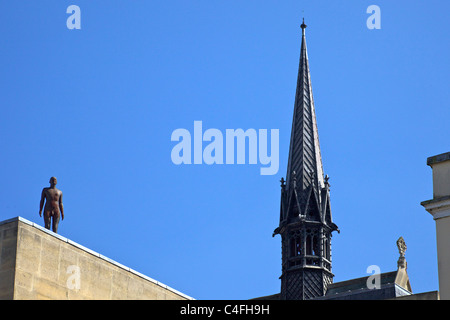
96,108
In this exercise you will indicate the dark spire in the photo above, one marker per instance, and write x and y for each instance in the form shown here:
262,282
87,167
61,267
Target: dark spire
305,212
304,150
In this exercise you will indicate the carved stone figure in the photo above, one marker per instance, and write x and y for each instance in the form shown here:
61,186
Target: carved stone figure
401,245
53,209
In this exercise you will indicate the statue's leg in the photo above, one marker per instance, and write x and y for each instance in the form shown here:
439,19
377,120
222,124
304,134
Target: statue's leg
55,222
47,219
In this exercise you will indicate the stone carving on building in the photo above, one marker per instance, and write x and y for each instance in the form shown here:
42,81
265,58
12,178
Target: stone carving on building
401,245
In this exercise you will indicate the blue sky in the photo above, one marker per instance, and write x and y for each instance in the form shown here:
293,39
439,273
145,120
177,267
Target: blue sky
96,108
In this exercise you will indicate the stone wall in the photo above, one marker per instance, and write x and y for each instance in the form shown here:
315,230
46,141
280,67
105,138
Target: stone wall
8,245
43,265
439,207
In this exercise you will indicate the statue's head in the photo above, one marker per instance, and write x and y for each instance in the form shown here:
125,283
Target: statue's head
53,181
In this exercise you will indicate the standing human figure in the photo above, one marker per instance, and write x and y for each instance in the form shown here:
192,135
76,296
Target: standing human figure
53,209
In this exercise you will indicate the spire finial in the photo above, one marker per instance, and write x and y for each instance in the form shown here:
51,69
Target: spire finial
303,26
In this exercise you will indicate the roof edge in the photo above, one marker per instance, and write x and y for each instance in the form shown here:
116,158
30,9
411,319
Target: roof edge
438,158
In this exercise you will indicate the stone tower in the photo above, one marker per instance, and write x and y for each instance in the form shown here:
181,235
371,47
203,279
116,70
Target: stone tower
305,214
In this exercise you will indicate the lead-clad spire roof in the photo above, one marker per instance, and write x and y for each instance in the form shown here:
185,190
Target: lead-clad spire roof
304,151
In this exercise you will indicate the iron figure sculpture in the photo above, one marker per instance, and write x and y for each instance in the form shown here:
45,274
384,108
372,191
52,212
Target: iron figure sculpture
54,209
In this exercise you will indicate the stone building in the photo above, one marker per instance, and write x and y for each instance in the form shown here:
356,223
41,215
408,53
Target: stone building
37,264
439,207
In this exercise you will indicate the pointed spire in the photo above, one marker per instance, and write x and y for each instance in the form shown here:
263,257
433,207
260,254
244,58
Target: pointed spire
304,150
305,212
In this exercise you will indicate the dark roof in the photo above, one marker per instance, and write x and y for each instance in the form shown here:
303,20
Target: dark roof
359,283
275,296
391,286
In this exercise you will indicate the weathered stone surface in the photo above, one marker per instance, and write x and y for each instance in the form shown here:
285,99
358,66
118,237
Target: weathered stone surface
35,263
8,234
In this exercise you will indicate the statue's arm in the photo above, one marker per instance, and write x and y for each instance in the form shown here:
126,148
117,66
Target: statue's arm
61,207
41,204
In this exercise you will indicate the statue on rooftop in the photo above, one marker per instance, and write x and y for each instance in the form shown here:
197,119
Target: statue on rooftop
53,209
